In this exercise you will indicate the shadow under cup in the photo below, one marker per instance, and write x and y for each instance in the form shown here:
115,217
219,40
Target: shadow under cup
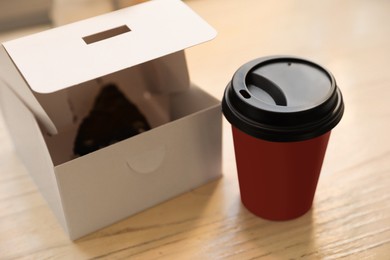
282,110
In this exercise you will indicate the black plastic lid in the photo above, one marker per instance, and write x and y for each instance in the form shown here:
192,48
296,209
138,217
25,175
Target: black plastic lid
283,99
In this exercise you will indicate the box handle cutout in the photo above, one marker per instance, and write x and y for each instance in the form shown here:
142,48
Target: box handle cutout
106,34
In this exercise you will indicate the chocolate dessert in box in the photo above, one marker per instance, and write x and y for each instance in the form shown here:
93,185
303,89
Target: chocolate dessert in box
104,116
113,118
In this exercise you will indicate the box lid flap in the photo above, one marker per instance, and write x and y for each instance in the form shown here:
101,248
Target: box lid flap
66,56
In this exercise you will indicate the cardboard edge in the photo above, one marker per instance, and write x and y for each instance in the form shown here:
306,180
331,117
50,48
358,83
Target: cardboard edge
40,170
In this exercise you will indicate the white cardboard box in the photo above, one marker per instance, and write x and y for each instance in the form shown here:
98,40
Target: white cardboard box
48,83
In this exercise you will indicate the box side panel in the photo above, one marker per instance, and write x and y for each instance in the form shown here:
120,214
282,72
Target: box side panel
31,148
12,78
166,74
115,182
191,101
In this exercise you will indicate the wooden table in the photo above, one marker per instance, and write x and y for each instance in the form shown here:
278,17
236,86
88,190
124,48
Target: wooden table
351,213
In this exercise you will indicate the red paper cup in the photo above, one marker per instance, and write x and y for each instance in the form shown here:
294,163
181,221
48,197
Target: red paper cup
278,179
282,110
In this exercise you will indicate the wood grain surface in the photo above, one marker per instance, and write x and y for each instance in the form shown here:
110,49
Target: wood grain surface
351,213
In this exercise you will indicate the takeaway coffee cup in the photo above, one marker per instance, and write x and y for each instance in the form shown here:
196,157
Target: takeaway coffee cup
282,110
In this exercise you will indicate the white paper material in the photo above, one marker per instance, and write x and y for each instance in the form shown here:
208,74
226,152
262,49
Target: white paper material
49,82
59,58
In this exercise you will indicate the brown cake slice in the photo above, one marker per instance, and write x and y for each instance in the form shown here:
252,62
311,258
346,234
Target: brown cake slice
113,118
